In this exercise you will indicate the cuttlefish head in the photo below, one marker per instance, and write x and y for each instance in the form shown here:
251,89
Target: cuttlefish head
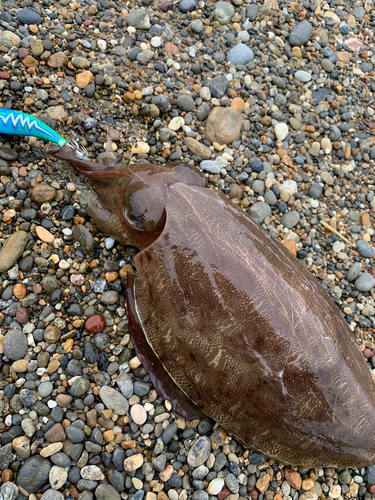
127,202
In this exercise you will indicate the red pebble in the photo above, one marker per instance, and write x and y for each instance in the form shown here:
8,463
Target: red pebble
95,324
22,52
368,353
88,22
165,6
4,75
22,316
253,494
224,493
371,489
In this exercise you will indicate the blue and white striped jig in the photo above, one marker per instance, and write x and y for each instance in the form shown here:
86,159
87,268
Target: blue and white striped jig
18,123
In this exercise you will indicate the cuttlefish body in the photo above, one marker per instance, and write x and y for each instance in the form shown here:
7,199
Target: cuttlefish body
228,323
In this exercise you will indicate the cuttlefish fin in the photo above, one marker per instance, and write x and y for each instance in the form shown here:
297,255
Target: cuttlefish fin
160,378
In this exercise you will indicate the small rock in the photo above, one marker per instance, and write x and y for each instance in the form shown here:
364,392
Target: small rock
290,219
199,452
15,344
92,472
57,477
259,211
365,249
240,54
28,16
300,34
293,478
33,473
365,282
114,400
215,486
197,148
186,6
223,12
12,250
223,125
133,463
138,414
281,131
83,79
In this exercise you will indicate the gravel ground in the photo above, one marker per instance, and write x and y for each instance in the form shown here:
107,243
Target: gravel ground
274,101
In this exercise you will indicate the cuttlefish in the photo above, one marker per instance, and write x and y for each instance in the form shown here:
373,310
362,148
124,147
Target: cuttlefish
227,322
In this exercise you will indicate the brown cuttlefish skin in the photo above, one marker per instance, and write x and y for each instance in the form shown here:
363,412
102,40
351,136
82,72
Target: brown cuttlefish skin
228,323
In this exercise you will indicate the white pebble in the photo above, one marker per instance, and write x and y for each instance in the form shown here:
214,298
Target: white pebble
281,131
290,187
314,203
138,414
67,231
71,186
102,44
51,404
63,264
155,41
109,242
215,486
176,123
229,77
45,208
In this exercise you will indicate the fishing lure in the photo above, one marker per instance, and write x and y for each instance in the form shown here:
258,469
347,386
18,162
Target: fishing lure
18,123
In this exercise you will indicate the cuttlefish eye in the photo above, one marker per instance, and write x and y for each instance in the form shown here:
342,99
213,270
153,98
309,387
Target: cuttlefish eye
134,222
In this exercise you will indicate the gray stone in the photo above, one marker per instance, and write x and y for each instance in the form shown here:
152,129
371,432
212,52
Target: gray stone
327,65
259,211
199,452
302,76
364,282
300,34
186,6
365,249
114,400
33,473
223,12
79,387
6,456
240,55
125,384
219,86
169,432
28,16
211,166
15,345
270,198
252,12
52,495
9,491
139,19
74,434
106,492
315,190
185,102
290,219
353,271
163,102
197,26
45,389
145,57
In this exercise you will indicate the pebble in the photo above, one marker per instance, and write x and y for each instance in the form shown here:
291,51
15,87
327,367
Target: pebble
15,344
281,131
138,414
114,400
223,125
92,472
240,54
33,473
300,34
364,282
12,250
199,452
223,12
365,249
